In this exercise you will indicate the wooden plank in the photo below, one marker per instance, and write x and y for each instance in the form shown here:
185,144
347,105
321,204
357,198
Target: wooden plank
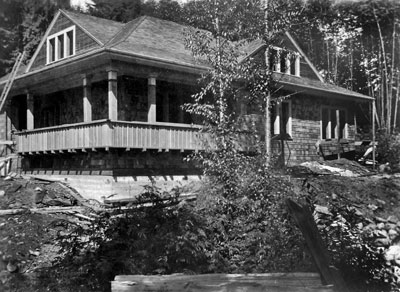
275,282
305,221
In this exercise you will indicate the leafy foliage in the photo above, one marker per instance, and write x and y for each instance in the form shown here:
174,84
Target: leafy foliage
388,149
354,251
162,235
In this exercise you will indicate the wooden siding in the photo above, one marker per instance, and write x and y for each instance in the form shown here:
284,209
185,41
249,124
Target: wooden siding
110,134
83,42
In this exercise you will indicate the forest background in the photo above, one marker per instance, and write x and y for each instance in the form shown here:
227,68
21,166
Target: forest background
354,44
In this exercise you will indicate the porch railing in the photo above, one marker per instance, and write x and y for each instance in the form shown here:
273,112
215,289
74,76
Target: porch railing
110,134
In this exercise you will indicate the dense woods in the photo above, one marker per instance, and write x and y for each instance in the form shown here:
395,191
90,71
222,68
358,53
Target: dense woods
354,44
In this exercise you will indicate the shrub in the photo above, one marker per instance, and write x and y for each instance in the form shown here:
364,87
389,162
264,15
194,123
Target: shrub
388,149
354,252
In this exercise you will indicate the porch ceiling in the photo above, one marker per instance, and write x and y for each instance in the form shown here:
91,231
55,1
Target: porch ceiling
68,73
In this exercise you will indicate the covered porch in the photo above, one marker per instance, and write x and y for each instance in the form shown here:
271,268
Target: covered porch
109,104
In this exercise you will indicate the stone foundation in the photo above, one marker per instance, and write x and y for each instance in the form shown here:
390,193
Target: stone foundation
113,162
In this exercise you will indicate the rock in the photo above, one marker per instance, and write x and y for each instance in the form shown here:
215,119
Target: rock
359,225
373,207
382,242
56,202
384,168
34,253
393,234
2,193
12,267
389,226
392,219
381,233
322,210
380,219
4,276
392,253
380,226
38,189
334,196
381,202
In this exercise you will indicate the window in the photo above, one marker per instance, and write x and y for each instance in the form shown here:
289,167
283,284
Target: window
282,118
284,61
61,45
333,123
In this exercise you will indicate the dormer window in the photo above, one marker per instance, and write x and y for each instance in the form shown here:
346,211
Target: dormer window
284,61
61,45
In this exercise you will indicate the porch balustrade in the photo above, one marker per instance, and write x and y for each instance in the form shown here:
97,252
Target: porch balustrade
109,134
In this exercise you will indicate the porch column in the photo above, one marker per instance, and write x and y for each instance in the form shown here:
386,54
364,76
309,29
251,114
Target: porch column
87,98
29,112
151,99
112,95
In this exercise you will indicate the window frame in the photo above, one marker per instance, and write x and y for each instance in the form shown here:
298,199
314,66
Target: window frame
328,131
277,118
276,66
63,34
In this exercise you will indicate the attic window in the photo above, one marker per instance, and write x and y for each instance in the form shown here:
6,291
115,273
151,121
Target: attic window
284,61
61,45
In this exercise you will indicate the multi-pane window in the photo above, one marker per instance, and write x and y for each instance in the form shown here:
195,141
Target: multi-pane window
333,123
284,61
61,45
282,118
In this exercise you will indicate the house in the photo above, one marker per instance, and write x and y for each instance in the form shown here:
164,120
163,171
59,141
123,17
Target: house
100,97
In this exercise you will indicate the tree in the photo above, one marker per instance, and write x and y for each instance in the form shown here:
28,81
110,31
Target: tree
360,44
23,24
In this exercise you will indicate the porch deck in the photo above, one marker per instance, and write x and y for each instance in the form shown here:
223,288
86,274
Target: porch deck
108,134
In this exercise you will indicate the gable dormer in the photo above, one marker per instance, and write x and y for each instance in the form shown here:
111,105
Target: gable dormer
283,60
63,39
61,45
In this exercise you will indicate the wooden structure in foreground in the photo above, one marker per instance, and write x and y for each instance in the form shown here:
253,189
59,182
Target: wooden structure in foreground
274,282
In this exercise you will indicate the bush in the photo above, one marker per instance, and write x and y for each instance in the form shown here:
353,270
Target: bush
354,251
388,149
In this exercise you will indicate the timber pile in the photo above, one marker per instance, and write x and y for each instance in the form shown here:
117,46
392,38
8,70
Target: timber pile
274,282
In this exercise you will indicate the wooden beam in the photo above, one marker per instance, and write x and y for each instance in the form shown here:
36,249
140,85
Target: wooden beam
273,282
30,119
305,221
7,142
87,98
151,99
112,95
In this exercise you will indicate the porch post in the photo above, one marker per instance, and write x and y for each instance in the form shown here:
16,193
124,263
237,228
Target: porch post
29,112
87,98
151,99
112,95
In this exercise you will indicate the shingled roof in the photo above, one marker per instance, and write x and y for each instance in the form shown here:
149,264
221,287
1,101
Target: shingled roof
101,29
155,39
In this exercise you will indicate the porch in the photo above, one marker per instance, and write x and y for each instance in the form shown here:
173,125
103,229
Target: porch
106,134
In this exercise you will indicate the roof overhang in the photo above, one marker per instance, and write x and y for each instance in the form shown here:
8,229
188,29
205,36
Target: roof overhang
69,71
318,89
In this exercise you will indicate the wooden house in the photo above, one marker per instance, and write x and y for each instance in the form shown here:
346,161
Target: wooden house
103,97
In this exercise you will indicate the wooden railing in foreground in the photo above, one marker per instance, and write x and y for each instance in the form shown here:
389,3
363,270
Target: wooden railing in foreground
288,282
110,134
